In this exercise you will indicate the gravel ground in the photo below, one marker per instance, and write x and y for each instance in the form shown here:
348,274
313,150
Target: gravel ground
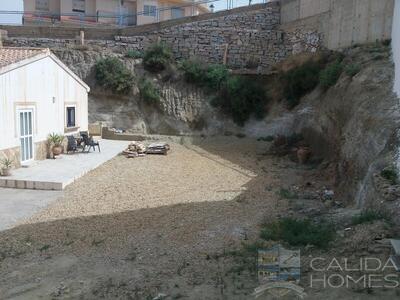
158,227
134,228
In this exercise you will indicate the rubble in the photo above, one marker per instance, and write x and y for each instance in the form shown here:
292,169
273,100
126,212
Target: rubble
136,149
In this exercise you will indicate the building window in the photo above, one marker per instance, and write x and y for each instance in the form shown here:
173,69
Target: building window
71,116
78,6
177,13
150,10
42,5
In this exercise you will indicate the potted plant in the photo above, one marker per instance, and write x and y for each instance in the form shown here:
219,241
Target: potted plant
6,165
55,142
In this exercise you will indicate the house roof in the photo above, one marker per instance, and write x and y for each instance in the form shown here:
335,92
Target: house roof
12,58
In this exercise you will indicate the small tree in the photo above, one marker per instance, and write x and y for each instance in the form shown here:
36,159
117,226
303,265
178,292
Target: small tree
111,73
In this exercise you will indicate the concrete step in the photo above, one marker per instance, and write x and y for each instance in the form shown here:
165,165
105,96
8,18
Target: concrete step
31,184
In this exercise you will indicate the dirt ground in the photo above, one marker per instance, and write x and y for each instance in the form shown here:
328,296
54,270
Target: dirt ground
163,227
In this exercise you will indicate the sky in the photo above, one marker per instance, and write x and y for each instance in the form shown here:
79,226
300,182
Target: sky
11,5
222,4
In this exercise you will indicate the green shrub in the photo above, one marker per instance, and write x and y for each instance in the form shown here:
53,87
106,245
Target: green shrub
300,81
352,69
368,216
390,175
111,73
197,72
135,54
330,75
194,71
157,57
148,92
268,138
241,97
287,194
299,232
216,76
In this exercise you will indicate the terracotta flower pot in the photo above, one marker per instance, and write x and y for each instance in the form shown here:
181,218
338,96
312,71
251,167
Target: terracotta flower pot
6,171
57,150
303,154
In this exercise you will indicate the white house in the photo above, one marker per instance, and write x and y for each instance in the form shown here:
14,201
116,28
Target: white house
11,12
39,95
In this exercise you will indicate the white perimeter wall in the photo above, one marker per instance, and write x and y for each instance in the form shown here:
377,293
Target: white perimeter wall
11,5
396,45
34,86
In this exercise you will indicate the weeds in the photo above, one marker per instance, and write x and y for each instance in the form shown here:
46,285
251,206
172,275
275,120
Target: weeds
300,81
241,98
390,175
157,57
135,54
44,248
268,138
299,232
369,216
148,91
352,69
287,194
330,75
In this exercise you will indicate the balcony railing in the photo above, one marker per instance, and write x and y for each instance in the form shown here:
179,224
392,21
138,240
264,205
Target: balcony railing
101,18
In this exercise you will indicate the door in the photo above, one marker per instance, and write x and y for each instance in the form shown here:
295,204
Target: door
26,134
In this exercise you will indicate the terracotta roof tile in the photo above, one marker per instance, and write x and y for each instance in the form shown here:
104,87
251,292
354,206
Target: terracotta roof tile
10,56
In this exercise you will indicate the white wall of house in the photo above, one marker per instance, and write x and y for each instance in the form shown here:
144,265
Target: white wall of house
34,86
11,5
396,46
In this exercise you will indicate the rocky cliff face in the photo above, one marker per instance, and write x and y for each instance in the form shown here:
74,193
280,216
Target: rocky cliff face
183,108
353,125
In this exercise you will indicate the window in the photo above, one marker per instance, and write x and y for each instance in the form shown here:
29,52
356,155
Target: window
177,13
150,10
71,116
42,5
78,5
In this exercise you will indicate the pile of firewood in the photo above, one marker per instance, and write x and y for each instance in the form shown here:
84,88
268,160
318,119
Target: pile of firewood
135,149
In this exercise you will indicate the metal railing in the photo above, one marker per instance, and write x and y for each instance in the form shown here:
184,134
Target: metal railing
118,19
102,17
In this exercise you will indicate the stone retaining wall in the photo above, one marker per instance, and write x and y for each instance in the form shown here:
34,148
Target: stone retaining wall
249,41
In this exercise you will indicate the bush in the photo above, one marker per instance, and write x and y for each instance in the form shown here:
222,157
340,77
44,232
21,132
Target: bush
299,232
300,81
148,91
212,76
368,216
390,175
216,76
287,194
135,54
157,57
111,73
352,70
330,75
241,97
194,71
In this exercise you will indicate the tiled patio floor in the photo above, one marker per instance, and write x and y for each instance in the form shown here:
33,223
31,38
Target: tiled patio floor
56,174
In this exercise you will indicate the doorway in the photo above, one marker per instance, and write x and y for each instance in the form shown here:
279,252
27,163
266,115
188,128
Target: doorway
26,134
